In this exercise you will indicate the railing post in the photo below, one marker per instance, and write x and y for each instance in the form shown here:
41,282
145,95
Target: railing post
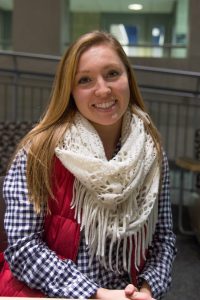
15,91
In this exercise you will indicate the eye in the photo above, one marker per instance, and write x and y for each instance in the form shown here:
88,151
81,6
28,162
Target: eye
84,80
113,73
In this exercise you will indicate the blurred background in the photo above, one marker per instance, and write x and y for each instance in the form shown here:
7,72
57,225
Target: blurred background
162,40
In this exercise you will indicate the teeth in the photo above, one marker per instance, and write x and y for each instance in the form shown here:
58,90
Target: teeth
105,104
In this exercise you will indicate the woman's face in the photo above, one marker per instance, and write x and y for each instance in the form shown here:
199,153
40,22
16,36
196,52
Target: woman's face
101,88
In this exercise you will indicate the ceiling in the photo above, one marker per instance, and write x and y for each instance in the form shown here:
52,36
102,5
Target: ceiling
6,4
149,6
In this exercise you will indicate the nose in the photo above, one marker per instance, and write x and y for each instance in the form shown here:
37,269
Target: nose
102,88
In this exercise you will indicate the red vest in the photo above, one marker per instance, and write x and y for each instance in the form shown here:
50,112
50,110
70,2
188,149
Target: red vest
58,225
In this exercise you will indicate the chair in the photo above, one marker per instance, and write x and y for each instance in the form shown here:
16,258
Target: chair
11,133
185,164
3,237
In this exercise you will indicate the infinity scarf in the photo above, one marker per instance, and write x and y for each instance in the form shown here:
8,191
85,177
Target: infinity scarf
114,200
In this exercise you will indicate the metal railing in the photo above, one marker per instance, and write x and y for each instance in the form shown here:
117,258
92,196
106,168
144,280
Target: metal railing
24,90
153,50
171,96
173,99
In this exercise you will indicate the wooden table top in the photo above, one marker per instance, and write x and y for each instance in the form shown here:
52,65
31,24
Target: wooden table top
188,164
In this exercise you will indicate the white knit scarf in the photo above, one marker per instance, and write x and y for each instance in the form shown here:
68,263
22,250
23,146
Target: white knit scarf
114,200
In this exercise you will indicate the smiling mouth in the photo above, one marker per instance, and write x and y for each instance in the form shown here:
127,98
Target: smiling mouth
105,105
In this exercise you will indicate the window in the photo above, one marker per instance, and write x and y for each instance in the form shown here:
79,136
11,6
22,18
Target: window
158,29
6,24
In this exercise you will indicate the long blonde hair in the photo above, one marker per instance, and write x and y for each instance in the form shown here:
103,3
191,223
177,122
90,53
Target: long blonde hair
43,138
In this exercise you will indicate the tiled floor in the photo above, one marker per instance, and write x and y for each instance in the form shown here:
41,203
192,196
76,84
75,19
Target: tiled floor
186,270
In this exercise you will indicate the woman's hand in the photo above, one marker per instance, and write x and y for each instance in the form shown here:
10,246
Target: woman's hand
106,294
144,294
141,296
130,292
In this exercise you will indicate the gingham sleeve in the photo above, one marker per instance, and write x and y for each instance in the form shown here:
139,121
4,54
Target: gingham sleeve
30,260
157,270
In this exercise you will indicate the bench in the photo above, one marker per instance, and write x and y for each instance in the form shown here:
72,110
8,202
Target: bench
3,237
186,164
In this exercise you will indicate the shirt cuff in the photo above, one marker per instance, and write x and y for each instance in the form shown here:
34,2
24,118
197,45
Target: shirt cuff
74,284
81,288
158,289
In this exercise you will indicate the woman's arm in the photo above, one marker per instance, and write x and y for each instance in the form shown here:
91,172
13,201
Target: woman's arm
157,270
30,260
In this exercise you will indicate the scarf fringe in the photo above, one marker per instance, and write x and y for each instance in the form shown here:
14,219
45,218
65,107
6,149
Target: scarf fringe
94,222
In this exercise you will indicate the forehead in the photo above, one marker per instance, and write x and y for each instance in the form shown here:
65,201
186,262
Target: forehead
103,52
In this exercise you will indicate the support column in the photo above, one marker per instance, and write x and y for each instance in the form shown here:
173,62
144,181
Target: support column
37,26
194,25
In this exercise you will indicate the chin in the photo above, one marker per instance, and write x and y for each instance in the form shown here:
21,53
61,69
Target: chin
110,122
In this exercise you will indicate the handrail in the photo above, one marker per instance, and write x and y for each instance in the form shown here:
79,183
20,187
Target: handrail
166,71
29,55
157,89
144,88
135,67
151,45
24,72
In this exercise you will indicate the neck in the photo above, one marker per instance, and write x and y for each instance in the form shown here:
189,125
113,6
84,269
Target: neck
110,136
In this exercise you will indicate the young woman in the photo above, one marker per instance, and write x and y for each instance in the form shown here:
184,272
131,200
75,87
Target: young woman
88,208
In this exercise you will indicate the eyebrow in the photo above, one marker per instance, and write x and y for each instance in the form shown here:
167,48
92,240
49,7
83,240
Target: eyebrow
89,71
83,71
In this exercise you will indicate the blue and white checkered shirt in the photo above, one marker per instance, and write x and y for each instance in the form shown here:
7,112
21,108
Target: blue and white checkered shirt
34,263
